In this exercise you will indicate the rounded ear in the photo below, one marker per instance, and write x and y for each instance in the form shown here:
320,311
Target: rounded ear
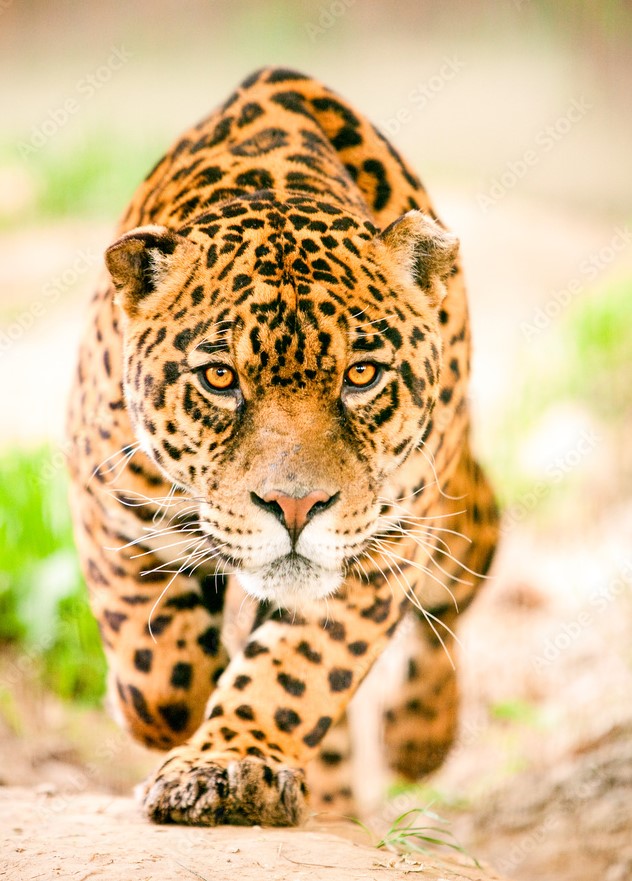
139,261
424,252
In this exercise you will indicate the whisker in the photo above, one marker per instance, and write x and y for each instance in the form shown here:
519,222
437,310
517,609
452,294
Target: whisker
444,549
150,535
173,544
414,493
430,529
131,498
388,502
428,549
160,514
160,598
248,598
445,529
427,615
127,452
452,578
446,552
436,545
375,321
190,567
420,568
357,561
383,574
183,512
430,460
413,534
204,558
189,543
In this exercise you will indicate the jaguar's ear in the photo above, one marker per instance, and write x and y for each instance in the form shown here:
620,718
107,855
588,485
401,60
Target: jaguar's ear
423,251
139,261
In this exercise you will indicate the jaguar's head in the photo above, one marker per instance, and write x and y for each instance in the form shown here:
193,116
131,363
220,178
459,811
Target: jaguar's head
282,361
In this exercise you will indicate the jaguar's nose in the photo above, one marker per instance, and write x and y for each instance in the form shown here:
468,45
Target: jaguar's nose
294,512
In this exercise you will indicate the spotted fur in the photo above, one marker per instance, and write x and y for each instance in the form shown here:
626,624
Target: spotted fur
283,248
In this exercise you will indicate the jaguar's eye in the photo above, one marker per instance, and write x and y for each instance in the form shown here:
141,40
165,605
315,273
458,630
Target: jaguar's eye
218,377
362,375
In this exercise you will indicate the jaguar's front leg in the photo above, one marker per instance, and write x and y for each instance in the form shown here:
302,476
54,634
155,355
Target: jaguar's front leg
273,706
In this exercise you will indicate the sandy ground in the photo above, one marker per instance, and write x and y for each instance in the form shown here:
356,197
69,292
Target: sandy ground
96,837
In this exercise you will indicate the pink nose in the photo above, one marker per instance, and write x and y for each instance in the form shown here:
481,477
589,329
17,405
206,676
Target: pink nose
296,512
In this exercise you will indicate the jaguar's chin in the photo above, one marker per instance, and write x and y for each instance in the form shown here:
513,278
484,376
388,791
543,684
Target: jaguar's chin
290,580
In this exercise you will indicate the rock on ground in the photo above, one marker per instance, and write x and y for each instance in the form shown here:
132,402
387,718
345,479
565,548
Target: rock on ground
571,823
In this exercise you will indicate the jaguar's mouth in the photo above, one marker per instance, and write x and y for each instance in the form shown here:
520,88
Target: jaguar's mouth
290,579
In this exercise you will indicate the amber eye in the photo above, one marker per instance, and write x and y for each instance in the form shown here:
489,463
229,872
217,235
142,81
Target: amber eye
218,377
362,375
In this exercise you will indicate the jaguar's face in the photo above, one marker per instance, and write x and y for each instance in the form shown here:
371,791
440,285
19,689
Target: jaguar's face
281,364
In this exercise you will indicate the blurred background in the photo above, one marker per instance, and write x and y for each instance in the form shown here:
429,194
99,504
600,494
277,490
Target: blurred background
516,114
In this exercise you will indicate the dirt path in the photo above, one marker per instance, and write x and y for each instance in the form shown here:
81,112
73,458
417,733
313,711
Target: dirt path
99,837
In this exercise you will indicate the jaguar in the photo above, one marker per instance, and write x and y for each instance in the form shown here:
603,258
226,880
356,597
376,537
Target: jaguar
270,458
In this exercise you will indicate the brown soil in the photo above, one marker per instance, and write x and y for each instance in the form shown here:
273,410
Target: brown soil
85,837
